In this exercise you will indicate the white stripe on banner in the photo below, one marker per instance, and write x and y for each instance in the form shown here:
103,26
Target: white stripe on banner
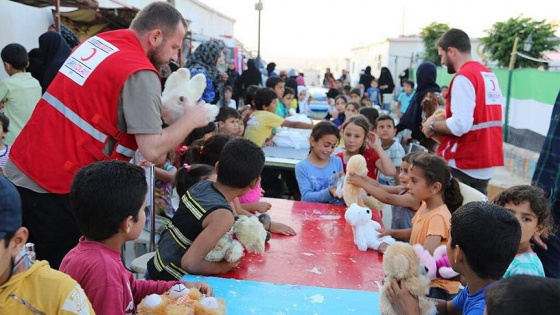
74,118
530,114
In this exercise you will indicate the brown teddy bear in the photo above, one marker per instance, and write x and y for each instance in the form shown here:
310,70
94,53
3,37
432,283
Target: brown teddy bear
403,264
353,194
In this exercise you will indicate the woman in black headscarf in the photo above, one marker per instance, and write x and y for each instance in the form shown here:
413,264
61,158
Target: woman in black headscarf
412,119
250,76
54,51
205,60
386,84
366,78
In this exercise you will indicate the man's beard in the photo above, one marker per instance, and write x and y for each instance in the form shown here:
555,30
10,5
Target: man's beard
155,57
450,69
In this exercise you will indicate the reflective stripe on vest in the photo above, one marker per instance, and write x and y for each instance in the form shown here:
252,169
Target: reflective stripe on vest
488,124
82,124
124,151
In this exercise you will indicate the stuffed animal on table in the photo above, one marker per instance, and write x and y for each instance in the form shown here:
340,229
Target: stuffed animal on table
181,301
365,230
401,262
247,233
436,265
180,85
357,165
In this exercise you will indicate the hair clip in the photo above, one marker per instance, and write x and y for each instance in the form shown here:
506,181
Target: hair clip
187,167
183,149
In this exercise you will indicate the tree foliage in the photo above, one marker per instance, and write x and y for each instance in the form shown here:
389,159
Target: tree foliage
499,42
430,36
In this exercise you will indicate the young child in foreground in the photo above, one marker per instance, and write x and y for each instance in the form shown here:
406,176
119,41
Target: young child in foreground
530,207
483,240
27,285
108,200
523,294
431,183
205,215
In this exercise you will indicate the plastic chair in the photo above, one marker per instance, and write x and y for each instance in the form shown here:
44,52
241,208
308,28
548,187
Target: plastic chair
139,264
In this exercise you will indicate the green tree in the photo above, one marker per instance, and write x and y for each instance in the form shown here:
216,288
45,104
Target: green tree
430,37
499,42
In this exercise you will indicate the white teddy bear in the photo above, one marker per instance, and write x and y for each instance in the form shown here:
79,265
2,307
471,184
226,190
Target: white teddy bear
180,85
366,231
250,235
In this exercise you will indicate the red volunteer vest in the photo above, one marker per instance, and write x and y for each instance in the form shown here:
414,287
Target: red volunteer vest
77,116
482,146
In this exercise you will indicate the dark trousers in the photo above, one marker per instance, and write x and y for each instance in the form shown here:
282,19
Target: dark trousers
478,184
51,224
273,180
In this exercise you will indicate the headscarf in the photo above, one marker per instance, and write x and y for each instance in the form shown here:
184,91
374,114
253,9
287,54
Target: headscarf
270,69
426,81
385,78
366,78
303,105
251,76
54,52
205,58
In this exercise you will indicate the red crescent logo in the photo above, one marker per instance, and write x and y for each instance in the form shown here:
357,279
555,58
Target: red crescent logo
493,85
90,56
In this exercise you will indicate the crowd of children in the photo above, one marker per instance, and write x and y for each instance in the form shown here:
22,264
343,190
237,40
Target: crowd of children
217,171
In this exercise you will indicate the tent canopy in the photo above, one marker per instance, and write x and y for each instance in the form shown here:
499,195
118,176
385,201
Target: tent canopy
90,4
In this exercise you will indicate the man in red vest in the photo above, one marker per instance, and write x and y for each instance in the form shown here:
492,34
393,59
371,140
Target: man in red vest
104,103
471,134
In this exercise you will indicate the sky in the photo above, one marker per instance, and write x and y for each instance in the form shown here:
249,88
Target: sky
297,30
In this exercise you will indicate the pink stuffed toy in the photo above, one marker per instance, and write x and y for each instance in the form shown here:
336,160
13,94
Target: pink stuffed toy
443,266
436,266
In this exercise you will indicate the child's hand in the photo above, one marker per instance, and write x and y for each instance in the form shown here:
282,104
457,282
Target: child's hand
281,228
384,232
203,287
332,191
400,298
145,163
263,207
356,180
372,140
538,239
269,143
262,192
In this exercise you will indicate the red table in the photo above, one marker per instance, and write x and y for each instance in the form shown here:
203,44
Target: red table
322,254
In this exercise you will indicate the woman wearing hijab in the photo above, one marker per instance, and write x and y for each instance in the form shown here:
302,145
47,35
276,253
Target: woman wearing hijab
205,60
54,51
270,70
366,78
250,76
386,86
303,97
412,118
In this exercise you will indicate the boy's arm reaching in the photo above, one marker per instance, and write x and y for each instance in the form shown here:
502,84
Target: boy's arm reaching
215,225
297,124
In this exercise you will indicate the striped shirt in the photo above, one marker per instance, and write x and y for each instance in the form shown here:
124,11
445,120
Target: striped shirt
526,264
